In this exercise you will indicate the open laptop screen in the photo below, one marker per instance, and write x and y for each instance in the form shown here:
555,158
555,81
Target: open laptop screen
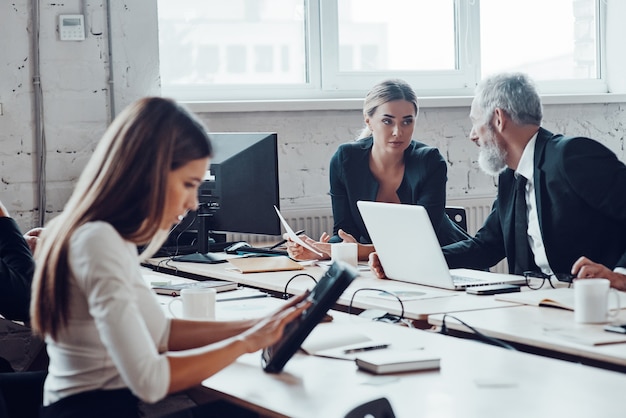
328,289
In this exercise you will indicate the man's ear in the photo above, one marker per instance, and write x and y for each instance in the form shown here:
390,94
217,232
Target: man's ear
499,119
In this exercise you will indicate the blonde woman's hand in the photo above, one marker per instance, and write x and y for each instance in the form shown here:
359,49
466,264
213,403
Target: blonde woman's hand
298,252
375,266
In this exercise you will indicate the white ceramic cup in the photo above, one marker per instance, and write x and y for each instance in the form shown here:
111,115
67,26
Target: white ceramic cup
198,304
591,301
346,252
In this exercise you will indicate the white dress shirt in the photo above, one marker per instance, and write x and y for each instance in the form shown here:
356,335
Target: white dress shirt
116,332
526,168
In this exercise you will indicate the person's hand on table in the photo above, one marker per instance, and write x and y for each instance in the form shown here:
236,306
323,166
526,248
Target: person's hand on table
584,268
375,266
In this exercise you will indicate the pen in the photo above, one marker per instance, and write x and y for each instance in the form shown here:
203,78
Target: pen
261,295
361,349
300,232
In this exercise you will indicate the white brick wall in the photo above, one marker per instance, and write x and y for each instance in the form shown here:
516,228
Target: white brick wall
74,77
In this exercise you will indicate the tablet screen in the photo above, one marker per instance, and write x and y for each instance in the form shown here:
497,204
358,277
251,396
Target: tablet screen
325,293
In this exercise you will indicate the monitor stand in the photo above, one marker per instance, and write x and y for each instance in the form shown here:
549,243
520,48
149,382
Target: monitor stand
203,255
205,258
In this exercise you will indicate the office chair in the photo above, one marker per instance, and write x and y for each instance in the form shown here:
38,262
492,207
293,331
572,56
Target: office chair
377,408
458,216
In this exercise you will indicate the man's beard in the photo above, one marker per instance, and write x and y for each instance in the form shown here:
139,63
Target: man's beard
491,159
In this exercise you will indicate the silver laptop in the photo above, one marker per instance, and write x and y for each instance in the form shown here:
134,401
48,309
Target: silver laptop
409,250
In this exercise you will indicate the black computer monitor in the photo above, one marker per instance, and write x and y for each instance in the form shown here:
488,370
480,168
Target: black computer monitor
238,194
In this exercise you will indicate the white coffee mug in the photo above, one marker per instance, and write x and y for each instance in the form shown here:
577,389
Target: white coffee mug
591,301
198,304
346,252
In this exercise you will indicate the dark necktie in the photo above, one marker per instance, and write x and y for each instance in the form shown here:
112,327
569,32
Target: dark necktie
522,249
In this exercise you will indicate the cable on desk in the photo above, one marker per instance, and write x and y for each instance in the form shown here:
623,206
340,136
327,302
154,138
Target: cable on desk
183,230
166,261
387,317
285,295
480,335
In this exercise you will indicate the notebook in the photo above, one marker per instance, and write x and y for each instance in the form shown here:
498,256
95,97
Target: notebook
409,250
395,361
264,264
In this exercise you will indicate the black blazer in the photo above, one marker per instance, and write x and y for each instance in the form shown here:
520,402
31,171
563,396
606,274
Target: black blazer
424,183
580,190
16,271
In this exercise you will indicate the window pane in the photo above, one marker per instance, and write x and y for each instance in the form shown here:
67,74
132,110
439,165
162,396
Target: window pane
232,42
396,35
549,40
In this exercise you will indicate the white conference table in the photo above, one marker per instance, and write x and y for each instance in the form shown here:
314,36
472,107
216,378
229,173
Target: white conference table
475,380
433,300
547,331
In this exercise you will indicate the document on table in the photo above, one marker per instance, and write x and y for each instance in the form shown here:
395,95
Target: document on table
292,235
361,266
395,293
586,336
339,341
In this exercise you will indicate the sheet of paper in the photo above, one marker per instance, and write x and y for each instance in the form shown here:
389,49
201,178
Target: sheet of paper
406,294
588,336
292,235
332,335
332,340
362,265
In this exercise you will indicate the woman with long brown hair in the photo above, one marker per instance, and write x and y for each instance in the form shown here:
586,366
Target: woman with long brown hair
109,341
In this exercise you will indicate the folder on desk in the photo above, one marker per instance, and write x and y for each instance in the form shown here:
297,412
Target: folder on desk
264,264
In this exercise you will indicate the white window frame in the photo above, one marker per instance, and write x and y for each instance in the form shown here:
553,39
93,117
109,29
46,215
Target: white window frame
327,88
460,81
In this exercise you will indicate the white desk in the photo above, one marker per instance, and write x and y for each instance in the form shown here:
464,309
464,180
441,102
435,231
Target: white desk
475,380
419,310
544,328
235,304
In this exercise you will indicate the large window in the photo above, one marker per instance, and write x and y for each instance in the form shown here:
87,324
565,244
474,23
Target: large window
298,49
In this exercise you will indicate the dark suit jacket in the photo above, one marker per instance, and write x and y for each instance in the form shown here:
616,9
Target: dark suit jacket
580,189
424,183
16,271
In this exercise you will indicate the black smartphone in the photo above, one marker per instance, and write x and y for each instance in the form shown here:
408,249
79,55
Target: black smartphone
492,289
621,328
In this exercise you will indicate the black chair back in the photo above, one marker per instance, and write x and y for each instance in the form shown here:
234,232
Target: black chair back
377,408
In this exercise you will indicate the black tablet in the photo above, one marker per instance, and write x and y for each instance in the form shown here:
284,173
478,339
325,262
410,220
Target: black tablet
325,293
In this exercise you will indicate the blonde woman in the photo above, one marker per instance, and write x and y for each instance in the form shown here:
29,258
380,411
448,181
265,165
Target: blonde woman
385,164
108,339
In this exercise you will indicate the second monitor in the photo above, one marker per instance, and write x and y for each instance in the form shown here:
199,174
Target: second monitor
238,193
